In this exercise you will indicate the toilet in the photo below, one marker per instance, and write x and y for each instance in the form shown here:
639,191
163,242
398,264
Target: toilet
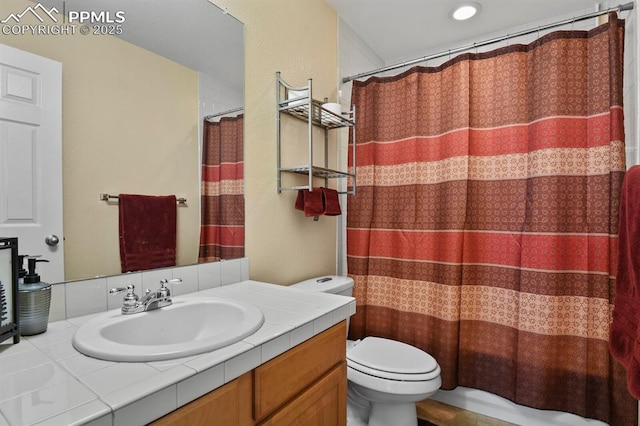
385,377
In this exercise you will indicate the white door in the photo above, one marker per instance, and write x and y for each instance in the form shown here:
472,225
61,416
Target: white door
31,157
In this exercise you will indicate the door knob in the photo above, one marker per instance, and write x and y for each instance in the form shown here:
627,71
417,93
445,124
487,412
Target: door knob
52,240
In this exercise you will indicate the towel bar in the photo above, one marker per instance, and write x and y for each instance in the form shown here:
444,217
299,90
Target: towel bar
107,197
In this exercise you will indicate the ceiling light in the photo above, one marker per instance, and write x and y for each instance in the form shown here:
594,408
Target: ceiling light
465,11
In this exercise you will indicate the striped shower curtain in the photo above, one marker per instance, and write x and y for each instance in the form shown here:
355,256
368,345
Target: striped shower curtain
484,230
222,222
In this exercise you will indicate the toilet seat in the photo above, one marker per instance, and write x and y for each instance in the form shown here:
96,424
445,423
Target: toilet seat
392,360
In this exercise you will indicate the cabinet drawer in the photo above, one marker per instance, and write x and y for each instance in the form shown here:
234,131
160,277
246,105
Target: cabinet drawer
282,378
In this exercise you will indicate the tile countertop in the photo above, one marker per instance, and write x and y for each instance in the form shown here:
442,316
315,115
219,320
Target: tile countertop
45,381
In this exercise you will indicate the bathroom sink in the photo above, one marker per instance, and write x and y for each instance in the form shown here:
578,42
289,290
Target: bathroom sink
187,327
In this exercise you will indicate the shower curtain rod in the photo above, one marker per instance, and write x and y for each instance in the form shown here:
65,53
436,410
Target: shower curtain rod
219,114
619,8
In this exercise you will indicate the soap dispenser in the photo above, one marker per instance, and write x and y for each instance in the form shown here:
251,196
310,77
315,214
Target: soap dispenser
34,300
21,272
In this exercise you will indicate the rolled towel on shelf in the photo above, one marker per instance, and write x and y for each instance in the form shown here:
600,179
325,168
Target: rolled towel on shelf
293,94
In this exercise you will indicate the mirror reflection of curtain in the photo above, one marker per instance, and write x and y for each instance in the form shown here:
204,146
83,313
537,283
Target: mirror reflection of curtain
485,226
222,223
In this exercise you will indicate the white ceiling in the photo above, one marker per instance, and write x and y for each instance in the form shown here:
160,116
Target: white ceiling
396,29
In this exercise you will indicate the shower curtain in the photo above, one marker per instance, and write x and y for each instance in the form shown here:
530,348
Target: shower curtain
484,230
222,194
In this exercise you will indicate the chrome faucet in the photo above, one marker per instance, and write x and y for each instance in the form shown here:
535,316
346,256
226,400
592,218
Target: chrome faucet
132,304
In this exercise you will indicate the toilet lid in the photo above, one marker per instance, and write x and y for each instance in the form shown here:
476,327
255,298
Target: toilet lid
392,359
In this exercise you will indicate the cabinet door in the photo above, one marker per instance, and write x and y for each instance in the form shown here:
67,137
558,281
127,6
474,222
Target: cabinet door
285,376
225,406
323,404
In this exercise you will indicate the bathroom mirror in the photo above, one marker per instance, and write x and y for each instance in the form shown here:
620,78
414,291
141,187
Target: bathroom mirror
138,77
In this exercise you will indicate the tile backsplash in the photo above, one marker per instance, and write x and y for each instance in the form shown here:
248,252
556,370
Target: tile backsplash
77,298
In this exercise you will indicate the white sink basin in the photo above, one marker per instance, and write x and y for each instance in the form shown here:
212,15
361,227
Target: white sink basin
187,327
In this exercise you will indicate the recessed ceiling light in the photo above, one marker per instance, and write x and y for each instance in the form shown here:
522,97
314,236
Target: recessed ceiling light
465,11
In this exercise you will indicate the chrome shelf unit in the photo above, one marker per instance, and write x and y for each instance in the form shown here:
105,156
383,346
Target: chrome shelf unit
309,110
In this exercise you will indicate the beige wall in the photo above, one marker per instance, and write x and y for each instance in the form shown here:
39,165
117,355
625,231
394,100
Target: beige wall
130,125
296,37
299,39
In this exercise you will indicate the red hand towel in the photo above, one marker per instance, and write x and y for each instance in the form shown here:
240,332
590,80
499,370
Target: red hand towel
147,231
310,202
331,202
624,336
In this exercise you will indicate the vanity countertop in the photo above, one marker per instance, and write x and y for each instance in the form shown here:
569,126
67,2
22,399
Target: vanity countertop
45,381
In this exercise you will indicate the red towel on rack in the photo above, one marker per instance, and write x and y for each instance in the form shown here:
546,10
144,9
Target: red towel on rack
310,202
624,336
331,202
147,231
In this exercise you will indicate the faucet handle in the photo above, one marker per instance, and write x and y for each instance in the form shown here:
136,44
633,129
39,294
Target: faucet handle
129,288
130,299
164,290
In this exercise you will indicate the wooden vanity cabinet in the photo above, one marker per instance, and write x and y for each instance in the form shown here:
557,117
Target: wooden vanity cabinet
306,385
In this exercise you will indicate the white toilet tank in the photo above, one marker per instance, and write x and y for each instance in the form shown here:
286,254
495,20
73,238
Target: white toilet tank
335,284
